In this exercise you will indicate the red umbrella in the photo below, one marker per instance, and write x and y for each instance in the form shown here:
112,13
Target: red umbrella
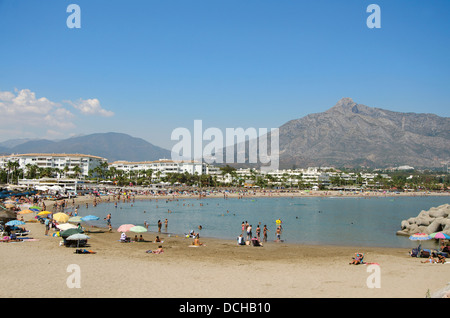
125,227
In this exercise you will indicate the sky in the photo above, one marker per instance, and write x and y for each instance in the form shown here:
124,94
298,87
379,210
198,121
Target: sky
147,67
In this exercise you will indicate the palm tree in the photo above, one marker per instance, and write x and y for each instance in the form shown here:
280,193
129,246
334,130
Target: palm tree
31,171
77,171
66,170
12,166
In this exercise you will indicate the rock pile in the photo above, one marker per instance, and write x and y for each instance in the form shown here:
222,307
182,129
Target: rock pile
436,219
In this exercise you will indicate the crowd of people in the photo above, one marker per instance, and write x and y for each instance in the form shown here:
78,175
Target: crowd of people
247,237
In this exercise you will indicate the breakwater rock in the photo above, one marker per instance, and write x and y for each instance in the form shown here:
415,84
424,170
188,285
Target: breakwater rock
436,219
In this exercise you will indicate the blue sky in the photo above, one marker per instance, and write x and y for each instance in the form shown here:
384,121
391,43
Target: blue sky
147,67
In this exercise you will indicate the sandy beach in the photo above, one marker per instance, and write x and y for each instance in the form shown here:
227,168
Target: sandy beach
219,269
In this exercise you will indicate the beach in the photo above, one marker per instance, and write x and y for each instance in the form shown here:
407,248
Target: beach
218,269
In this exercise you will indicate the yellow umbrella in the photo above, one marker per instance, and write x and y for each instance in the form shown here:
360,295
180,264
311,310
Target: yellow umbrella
25,211
44,213
61,217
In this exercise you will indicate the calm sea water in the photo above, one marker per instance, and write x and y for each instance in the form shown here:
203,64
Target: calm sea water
310,220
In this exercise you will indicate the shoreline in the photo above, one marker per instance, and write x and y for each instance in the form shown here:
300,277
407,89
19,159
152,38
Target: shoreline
89,199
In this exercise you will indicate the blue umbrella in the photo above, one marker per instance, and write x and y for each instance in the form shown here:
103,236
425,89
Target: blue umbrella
90,218
15,222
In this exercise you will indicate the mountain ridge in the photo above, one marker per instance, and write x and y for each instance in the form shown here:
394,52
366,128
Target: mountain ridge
350,133
112,146
346,135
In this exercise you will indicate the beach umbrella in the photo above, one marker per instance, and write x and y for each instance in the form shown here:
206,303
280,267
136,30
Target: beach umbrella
15,223
420,237
75,219
125,227
60,217
138,229
25,211
66,226
69,232
44,213
440,235
77,237
35,208
89,218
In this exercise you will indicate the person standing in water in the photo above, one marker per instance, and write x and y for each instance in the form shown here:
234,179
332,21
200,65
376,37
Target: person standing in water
265,230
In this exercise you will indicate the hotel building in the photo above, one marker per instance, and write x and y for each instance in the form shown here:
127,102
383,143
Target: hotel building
60,161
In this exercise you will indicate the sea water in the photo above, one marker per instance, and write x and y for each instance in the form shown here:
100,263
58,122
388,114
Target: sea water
351,221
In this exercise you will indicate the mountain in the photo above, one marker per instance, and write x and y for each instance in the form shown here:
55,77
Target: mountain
13,142
354,135
351,134
112,146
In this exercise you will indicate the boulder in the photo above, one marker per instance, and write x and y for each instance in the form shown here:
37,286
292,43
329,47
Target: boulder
404,224
434,220
424,220
437,213
435,226
442,293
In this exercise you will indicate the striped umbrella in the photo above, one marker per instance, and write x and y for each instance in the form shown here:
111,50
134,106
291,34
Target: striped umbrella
420,237
440,235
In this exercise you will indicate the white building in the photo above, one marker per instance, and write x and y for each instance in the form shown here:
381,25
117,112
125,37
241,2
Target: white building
60,161
163,167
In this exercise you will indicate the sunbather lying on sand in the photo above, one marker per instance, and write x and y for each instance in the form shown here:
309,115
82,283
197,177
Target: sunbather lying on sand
159,250
430,259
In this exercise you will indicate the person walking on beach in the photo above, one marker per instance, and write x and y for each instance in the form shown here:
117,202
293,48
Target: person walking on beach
47,225
108,219
166,222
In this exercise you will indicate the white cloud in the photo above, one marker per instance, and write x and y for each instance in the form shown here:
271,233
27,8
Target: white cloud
90,107
25,115
24,109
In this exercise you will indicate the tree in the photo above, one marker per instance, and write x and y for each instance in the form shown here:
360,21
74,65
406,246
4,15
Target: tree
31,171
77,170
11,166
